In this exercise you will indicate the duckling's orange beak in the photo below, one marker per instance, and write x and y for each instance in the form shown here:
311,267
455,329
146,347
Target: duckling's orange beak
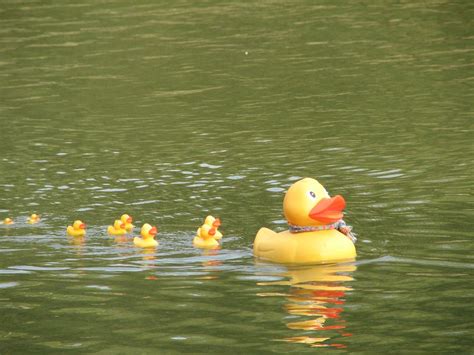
153,231
122,225
328,210
212,231
82,226
216,223
129,220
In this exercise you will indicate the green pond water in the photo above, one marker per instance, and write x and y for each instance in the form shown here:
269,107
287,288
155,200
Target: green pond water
170,111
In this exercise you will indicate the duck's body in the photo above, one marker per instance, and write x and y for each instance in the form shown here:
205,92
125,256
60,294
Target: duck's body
78,229
34,218
8,221
117,229
216,223
205,238
313,236
127,220
148,237
303,248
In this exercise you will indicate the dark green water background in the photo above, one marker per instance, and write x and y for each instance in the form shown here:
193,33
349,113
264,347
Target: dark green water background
173,110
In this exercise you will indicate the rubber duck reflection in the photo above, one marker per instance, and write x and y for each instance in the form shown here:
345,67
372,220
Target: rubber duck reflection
317,297
211,265
148,256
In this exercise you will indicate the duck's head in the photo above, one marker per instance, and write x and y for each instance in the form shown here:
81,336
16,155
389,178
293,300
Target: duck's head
118,224
78,225
34,217
126,218
148,231
207,231
307,203
211,221
8,221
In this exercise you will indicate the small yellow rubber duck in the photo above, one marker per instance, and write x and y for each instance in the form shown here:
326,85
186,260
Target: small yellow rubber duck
78,229
34,218
128,222
148,237
216,223
8,220
206,237
117,229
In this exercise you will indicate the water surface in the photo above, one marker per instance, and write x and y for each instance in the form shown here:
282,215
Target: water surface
170,112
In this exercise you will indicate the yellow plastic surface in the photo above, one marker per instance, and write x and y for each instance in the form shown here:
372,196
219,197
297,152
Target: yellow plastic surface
303,248
214,222
205,237
125,218
77,229
147,240
34,218
301,201
117,229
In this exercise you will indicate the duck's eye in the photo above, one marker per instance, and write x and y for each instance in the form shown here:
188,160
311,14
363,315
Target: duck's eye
312,194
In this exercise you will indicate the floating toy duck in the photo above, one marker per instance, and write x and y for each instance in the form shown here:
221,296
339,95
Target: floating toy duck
148,237
205,237
34,218
314,222
117,229
8,221
213,222
128,222
78,229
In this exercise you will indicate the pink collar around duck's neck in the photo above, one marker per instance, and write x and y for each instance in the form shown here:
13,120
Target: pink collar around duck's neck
300,229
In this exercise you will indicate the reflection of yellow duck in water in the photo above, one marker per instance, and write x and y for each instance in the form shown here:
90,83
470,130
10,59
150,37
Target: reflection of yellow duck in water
314,235
205,237
148,237
216,223
78,229
34,218
117,229
316,295
8,221
125,218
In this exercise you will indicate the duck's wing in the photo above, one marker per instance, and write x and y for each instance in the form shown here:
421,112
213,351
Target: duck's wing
265,233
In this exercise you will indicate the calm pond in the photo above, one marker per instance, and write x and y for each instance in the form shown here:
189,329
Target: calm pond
171,111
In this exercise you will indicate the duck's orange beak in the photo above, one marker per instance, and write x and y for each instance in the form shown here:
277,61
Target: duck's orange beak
153,231
82,226
212,231
129,220
217,223
122,225
328,210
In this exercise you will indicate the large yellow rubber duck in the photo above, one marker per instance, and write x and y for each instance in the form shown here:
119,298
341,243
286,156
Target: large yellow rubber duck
205,237
314,222
128,222
78,229
8,221
148,237
34,218
216,223
117,229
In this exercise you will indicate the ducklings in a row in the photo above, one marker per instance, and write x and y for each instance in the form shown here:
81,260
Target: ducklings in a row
34,218
148,232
